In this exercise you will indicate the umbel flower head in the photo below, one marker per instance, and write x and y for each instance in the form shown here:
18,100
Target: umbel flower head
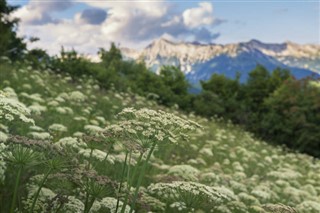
278,208
191,193
11,108
145,127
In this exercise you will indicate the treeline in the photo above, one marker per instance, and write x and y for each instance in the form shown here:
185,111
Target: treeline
275,106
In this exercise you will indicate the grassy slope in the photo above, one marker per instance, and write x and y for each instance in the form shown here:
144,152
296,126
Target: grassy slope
222,155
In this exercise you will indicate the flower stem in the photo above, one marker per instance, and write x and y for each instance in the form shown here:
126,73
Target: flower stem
90,158
87,181
141,177
39,189
130,181
88,207
87,202
109,150
13,203
121,180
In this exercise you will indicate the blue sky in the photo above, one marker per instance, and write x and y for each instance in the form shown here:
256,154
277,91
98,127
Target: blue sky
87,25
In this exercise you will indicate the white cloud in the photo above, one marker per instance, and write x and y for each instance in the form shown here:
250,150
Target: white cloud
153,8
199,16
84,38
133,24
39,12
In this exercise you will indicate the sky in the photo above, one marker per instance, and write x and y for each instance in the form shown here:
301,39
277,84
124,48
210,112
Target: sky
87,25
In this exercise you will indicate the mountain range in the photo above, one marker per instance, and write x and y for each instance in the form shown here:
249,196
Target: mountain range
200,61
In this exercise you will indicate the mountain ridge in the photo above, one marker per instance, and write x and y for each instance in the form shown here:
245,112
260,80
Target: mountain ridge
302,59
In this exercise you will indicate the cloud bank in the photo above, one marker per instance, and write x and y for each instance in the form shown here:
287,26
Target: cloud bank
131,25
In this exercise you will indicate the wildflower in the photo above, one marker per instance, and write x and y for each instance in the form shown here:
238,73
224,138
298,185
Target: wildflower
97,154
206,152
77,96
2,162
278,208
53,103
179,205
11,108
58,128
80,118
101,119
40,135
64,110
109,203
3,137
248,199
285,173
33,97
36,128
225,191
70,142
308,207
37,109
209,177
145,126
93,129
188,192
186,172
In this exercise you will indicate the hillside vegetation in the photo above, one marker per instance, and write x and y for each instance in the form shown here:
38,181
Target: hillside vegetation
78,136
81,155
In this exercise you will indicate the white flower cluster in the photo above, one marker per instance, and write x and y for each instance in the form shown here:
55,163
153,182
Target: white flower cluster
33,97
64,110
178,190
93,129
3,137
285,173
108,204
2,162
97,154
145,126
37,109
40,135
186,172
178,205
57,128
44,195
73,204
278,208
71,142
11,108
77,96
308,207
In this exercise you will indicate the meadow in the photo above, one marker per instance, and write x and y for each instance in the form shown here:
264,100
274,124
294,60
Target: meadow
70,146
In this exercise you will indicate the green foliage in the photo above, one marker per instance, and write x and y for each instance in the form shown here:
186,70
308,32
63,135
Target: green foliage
274,106
10,44
208,104
71,62
110,70
175,87
38,58
260,85
220,96
170,85
293,116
